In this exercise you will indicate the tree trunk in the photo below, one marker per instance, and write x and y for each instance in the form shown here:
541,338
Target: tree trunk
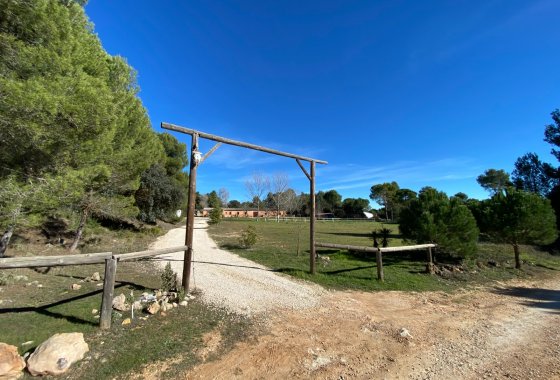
80,230
517,259
5,240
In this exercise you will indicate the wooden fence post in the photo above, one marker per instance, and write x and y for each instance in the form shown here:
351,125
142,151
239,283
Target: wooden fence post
379,259
430,257
108,292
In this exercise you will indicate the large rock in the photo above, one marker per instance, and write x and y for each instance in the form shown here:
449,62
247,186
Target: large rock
55,355
11,364
119,303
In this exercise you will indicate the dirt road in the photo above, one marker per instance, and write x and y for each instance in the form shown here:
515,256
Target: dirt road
511,331
232,281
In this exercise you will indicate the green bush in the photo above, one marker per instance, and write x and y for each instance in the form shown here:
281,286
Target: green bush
168,279
215,215
248,237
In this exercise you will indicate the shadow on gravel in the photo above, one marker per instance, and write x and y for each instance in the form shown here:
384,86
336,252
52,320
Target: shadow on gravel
534,297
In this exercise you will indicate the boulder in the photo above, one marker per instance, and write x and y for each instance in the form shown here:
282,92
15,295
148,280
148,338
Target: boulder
119,303
55,355
153,308
11,364
95,277
76,286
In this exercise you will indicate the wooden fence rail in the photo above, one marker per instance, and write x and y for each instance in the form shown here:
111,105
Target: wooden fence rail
108,258
379,252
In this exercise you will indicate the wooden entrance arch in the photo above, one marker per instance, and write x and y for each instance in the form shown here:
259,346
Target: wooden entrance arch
197,158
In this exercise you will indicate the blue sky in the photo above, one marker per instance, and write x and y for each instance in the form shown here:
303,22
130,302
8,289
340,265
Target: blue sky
418,92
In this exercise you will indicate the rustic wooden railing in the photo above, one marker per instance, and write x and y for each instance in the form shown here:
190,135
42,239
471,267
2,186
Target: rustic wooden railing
379,252
108,258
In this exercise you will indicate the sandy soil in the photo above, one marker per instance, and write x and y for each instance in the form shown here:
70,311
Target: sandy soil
510,331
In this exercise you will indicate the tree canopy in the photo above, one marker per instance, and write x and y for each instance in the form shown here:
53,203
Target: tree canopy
434,218
520,217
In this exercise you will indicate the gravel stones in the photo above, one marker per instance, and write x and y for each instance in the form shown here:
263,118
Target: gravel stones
239,284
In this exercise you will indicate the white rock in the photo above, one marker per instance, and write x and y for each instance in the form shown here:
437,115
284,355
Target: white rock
95,277
11,364
94,311
57,354
183,303
119,303
404,333
76,286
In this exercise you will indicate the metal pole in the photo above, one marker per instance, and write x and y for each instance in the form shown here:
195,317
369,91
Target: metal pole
187,261
312,219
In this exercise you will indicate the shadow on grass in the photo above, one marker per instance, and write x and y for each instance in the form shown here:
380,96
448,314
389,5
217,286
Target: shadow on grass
338,271
535,297
44,309
359,234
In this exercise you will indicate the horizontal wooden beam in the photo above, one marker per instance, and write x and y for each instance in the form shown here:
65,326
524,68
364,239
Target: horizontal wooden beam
360,248
224,140
149,253
347,247
54,261
407,248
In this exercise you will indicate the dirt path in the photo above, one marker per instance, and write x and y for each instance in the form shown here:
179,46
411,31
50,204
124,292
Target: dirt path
510,331
229,280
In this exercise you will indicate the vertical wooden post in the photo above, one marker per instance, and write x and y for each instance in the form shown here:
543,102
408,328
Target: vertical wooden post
379,259
108,292
187,260
312,219
430,257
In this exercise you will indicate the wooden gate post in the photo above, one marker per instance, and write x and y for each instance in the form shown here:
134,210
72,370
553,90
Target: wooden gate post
379,259
108,293
312,257
430,257
187,260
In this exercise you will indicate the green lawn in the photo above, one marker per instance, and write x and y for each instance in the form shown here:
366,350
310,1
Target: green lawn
31,314
278,244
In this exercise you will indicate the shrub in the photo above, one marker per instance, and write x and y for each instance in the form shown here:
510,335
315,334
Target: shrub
434,218
215,215
168,279
248,237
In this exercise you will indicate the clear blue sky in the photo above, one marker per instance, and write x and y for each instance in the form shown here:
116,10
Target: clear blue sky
418,92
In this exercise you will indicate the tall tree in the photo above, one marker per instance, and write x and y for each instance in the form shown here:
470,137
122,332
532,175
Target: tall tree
434,218
385,195
72,112
257,186
494,181
280,185
520,217
531,174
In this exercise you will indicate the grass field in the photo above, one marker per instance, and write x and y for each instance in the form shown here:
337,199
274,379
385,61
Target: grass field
278,244
31,314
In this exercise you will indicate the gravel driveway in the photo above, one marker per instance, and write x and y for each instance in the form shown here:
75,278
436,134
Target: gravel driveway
228,280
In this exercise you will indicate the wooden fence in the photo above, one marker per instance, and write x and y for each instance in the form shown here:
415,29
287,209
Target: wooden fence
379,252
111,260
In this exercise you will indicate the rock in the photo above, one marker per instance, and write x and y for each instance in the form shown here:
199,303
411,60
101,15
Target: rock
163,314
11,364
183,303
21,278
94,311
35,283
126,322
404,333
159,294
153,308
165,306
119,303
137,305
55,355
175,304
76,286
95,277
